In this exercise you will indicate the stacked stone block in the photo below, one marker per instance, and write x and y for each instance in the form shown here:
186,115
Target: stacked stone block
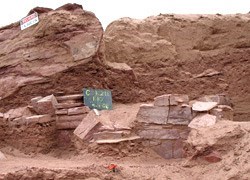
163,126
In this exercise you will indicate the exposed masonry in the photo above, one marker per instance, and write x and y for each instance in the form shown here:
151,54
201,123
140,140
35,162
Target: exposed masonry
163,126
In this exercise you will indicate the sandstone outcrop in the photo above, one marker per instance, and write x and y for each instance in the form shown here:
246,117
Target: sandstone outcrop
63,53
194,54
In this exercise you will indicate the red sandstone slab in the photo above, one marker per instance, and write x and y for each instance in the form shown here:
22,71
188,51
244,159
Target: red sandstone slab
159,134
87,124
152,114
78,110
180,115
70,97
112,141
68,105
44,105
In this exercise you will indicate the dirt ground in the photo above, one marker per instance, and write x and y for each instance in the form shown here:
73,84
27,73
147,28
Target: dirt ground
230,139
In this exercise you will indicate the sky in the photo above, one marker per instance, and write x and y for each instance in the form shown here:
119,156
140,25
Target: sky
110,10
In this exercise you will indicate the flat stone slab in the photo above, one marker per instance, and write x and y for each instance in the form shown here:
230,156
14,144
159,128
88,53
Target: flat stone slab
176,99
180,115
68,105
159,134
202,120
170,99
78,110
62,112
32,120
149,113
67,125
112,141
70,97
110,135
66,118
87,124
221,99
163,100
203,106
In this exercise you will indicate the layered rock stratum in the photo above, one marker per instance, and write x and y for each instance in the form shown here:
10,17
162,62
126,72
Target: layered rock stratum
190,54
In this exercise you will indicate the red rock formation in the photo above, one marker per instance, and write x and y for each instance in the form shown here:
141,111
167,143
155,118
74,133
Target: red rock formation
62,53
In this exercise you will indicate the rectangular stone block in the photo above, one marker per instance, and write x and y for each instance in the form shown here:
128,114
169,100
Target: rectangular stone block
46,105
178,151
163,100
67,125
62,112
152,114
38,119
110,135
180,115
176,99
159,134
165,149
78,110
31,120
66,118
68,105
70,97
87,124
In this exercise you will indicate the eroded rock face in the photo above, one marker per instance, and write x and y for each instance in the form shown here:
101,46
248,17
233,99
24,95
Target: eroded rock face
186,54
62,53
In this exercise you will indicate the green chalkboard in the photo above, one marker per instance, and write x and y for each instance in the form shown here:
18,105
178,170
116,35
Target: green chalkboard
100,99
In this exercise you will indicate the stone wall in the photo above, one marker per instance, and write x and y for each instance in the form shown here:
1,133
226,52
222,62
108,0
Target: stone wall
165,125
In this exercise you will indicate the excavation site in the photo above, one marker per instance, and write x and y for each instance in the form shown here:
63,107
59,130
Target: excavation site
162,98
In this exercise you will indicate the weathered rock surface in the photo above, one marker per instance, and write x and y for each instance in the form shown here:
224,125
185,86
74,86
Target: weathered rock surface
87,124
153,114
202,120
190,54
62,53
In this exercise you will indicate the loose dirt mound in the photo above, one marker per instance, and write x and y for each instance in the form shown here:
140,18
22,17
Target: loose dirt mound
192,54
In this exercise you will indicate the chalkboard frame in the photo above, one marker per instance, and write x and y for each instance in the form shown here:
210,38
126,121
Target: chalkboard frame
100,99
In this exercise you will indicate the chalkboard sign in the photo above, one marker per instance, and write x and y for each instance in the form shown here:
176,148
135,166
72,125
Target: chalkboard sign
100,99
